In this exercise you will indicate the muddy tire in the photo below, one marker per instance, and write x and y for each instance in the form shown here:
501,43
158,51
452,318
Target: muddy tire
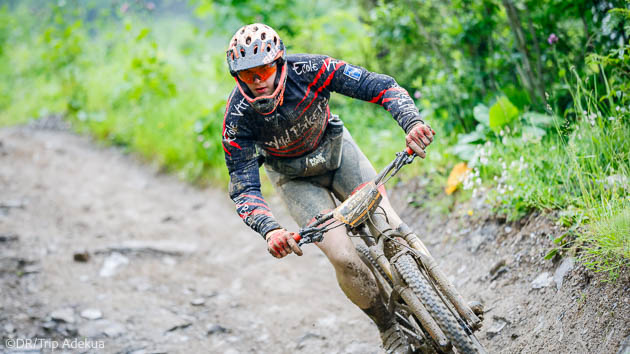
365,255
461,340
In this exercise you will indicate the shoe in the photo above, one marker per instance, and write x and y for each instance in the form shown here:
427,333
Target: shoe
394,340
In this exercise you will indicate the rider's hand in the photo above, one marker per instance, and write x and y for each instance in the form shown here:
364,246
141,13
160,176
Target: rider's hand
419,137
280,242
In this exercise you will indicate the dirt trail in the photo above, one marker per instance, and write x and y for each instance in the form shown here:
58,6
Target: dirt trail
172,269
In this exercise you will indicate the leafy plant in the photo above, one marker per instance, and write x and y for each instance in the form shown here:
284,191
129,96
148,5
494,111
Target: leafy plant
502,113
499,124
149,75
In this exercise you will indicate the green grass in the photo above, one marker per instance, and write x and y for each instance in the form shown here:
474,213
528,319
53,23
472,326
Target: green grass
580,170
607,239
159,90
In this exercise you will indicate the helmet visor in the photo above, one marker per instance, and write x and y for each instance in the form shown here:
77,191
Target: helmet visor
262,73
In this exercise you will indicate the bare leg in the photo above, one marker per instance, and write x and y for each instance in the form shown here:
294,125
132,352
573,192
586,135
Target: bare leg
392,216
353,276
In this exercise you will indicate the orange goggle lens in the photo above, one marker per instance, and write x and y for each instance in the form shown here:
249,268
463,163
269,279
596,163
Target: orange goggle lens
262,73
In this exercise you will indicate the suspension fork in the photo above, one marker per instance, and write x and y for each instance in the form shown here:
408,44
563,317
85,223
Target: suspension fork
440,278
377,224
379,227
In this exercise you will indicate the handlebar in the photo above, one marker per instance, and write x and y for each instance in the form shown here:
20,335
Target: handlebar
315,231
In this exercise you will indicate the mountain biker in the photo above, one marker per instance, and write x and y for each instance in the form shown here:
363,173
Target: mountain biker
278,116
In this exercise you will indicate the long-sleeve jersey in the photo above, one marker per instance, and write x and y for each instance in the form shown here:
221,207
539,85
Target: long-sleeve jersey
296,126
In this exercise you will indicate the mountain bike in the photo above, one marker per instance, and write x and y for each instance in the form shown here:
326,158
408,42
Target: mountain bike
428,308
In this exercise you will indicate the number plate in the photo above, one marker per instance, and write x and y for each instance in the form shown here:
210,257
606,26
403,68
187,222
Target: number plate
359,205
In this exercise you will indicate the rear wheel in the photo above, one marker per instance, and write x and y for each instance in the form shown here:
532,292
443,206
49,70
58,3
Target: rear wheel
461,337
367,258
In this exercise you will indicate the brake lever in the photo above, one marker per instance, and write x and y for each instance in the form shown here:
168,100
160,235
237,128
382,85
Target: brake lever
309,235
402,158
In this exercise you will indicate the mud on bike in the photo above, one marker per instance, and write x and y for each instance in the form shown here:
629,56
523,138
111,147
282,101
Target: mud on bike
428,308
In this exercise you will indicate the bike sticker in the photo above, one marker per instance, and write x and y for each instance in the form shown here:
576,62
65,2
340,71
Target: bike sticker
352,72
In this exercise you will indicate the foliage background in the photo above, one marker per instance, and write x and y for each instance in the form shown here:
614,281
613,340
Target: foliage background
532,94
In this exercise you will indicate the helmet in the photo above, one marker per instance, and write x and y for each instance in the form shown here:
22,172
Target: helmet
255,45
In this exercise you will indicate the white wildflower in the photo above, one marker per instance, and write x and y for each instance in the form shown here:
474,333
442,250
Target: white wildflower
468,181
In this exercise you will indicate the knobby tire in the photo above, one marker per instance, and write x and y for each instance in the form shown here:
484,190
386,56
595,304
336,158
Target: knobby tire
408,269
363,250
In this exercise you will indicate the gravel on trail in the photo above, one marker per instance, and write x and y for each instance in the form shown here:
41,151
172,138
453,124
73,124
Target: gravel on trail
97,244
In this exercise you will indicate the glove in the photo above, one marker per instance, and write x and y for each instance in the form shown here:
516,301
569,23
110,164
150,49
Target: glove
281,242
419,137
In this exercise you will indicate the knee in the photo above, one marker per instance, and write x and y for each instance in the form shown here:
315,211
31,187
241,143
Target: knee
347,262
339,252
343,258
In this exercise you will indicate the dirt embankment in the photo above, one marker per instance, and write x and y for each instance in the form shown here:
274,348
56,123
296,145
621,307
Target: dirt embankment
96,244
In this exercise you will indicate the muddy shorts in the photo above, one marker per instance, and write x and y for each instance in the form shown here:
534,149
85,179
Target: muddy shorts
306,197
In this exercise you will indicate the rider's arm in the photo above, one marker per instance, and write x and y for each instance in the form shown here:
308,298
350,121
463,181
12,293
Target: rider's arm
242,163
357,82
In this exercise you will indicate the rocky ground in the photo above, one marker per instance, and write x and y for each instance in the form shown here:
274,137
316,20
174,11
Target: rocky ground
95,244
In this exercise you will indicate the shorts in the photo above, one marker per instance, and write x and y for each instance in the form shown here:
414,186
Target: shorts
305,197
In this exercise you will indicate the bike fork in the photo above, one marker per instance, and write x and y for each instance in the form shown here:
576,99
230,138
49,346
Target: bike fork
436,273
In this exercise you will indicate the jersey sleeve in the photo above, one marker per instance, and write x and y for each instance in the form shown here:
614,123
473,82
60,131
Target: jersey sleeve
242,163
357,82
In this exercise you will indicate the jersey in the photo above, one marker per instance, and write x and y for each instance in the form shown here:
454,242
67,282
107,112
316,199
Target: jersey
296,126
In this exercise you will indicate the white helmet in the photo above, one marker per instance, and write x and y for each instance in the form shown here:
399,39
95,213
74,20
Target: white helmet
255,45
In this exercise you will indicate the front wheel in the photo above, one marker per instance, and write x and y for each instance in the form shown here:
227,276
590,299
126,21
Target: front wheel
461,338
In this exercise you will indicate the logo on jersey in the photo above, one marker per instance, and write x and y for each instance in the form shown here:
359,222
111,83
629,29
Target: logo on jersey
352,72
301,67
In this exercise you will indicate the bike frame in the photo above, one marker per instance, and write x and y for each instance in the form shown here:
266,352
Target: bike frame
358,210
358,206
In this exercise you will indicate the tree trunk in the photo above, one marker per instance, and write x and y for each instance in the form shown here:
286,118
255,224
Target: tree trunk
430,39
540,80
517,29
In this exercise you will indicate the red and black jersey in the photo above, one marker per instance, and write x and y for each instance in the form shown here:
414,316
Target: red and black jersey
296,127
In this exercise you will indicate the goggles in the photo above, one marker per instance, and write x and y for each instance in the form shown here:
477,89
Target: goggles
262,72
